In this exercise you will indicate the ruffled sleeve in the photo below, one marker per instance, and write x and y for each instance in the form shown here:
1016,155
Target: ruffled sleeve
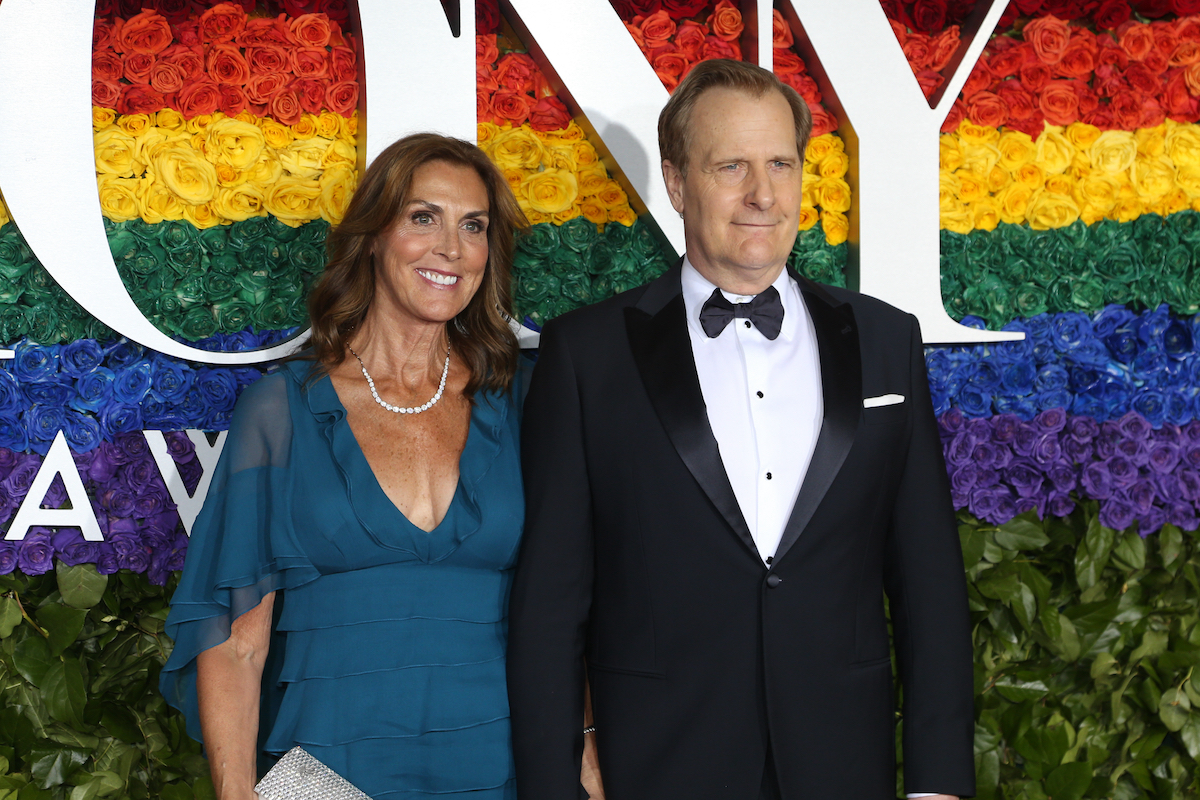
243,544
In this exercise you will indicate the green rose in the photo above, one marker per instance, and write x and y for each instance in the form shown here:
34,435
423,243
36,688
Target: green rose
578,234
95,329
1087,294
1075,235
73,326
215,240
149,259
602,287
306,256
197,323
1060,296
565,262
313,232
277,313
39,283
1013,270
121,243
43,325
10,290
174,234
534,288
557,306
254,287
232,315
279,232
184,260
951,243
1177,261
1108,233
1012,238
643,242
1122,263
256,256
623,283
577,288
144,231
526,263
653,268
1115,292
540,241
218,286
1185,225
617,235
1150,290
600,258
168,305
13,322
242,233
1175,290
190,291
1147,227
224,263
291,288
1042,273
160,282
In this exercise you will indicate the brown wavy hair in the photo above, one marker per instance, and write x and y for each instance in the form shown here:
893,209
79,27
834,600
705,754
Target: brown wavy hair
480,334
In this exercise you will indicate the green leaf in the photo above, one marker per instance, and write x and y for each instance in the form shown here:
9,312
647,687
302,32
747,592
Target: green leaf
121,724
10,616
973,542
51,767
176,791
32,658
64,691
81,586
999,585
1190,734
1170,544
1016,690
1024,605
1103,666
1092,556
1153,643
62,624
1022,534
1173,709
1130,552
1069,781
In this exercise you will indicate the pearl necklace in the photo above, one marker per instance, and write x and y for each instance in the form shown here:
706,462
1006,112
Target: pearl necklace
397,409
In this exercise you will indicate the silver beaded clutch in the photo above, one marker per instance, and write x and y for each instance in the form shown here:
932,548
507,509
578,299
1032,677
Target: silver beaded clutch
299,776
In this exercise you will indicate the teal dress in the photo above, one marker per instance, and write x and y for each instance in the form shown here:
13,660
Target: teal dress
387,657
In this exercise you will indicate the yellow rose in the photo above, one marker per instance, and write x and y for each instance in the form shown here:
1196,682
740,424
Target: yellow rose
1188,179
337,187
136,124
834,165
485,132
275,136
1030,176
200,122
833,194
116,153
349,125
820,146
1047,211
302,158
1054,151
612,195
4,216
234,143
625,216
517,148
340,153
102,117
1013,201
1016,150
566,215
552,191
950,156
1060,184
949,186
184,171
972,134
836,227
515,178
572,133
1113,152
980,157
1183,146
306,127
266,170
584,154
811,168
239,202
971,187
985,214
808,217
1152,177
118,197
170,119
1090,215
201,215
593,210
1151,142
1172,201
997,179
293,200
1097,191
538,217
561,157
1128,209
329,124
1082,135
955,216
157,203
808,193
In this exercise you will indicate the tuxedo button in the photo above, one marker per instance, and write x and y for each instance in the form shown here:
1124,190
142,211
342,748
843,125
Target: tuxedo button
773,580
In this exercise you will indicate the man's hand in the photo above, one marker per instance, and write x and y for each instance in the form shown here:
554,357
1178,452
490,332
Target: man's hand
589,775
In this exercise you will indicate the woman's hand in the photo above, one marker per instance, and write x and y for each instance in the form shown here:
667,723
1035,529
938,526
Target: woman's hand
589,775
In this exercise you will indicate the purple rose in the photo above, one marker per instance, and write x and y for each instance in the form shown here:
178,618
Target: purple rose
118,501
1025,439
1004,509
1004,427
1116,514
1024,476
980,430
1026,504
105,462
56,495
182,448
1190,480
983,501
1163,457
1106,441
8,460
1123,471
72,549
8,557
1046,449
1169,487
35,554
1151,521
106,562
1136,451
135,561
149,501
1082,429
133,445
22,475
190,473
1191,431
1063,475
139,473
1134,426
1182,515
1141,495
1060,504
1097,480
959,449
1076,451
1052,420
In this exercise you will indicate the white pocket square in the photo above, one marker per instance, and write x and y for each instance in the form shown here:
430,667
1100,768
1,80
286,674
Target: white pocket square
882,400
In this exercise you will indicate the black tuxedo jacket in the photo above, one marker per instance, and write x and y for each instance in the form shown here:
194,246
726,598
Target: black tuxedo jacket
636,558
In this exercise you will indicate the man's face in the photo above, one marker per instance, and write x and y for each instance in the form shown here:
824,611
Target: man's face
741,196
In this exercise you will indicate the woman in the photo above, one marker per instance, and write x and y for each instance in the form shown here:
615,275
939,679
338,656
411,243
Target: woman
353,555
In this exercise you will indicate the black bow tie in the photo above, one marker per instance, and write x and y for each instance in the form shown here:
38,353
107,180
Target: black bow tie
765,311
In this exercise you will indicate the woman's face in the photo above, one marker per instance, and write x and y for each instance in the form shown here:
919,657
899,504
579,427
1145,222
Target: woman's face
430,263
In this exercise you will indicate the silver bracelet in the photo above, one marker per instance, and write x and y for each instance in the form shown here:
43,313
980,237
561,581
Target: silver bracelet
589,729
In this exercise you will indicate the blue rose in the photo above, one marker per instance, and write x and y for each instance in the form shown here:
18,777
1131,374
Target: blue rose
132,382
1091,352
11,399
34,362
1177,340
1010,352
972,321
43,423
974,402
46,393
1116,400
159,416
941,400
82,432
1059,398
1149,365
122,354
1022,407
1151,404
117,417
1051,378
217,387
169,379
1018,377
12,433
1109,319
93,390
80,357
245,376
1084,379
1179,406
1124,344
1069,330
985,376
194,408
1152,325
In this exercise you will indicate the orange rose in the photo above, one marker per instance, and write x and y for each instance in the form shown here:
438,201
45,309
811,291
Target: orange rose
957,113
201,97
284,107
483,108
942,48
657,29
689,38
1142,79
980,78
1035,76
485,80
148,32
1005,63
1059,103
823,121
549,115
102,34
264,59
726,21
311,94
137,66
929,81
486,51
1185,54
786,62
107,66
265,31
311,30
105,94
190,60
1137,41
1165,41
261,88
670,65
515,72
986,108
1155,61
342,97
636,33
512,106
310,62
781,32
138,99
225,64
916,50
343,64
1018,101
1191,76
1049,37
233,100
715,47
222,23
1079,59
166,78
804,85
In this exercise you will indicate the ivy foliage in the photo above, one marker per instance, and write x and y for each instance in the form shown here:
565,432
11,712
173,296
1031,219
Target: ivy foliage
80,712
1087,643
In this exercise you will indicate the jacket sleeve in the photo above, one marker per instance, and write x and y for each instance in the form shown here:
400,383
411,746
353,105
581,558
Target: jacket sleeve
927,592
552,588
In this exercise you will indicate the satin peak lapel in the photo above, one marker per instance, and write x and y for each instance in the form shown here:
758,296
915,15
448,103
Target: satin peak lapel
841,390
658,337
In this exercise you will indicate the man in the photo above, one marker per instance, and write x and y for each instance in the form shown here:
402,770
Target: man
725,470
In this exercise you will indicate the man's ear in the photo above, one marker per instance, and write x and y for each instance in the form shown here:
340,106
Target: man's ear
673,178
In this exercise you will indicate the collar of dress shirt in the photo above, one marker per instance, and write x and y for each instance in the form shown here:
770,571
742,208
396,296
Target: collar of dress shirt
697,289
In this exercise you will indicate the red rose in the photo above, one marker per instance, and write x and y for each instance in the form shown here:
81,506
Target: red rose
980,78
957,113
311,30
166,78
190,60
1088,99
987,108
342,97
1028,8
107,66
1111,14
1112,55
201,97
147,32
929,16
1176,97
311,94
681,9
1186,52
1153,9
485,80
1032,127
1111,86
1153,114
514,72
264,59
1155,61
916,50
1059,103
138,99
105,93
188,33
343,64
1101,117
233,100
786,62
1079,59
137,66
1127,110
1137,41
222,23
226,64
804,85
310,62
177,11
895,11
1142,79
1049,37
781,32
512,106
1007,20
1018,101
102,33
483,108
628,9
719,48
943,47
549,115
487,17
285,107
486,51
726,21
1185,8
657,29
1005,63
669,65
1035,76
689,38
263,88
823,121
1188,29
929,81
265,31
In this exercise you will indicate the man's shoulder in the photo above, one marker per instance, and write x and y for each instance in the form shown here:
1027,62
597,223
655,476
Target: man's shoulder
604,316
869,312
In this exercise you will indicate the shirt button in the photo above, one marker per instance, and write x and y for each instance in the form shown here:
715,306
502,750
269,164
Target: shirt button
760,394
747,323
768,476
773,580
